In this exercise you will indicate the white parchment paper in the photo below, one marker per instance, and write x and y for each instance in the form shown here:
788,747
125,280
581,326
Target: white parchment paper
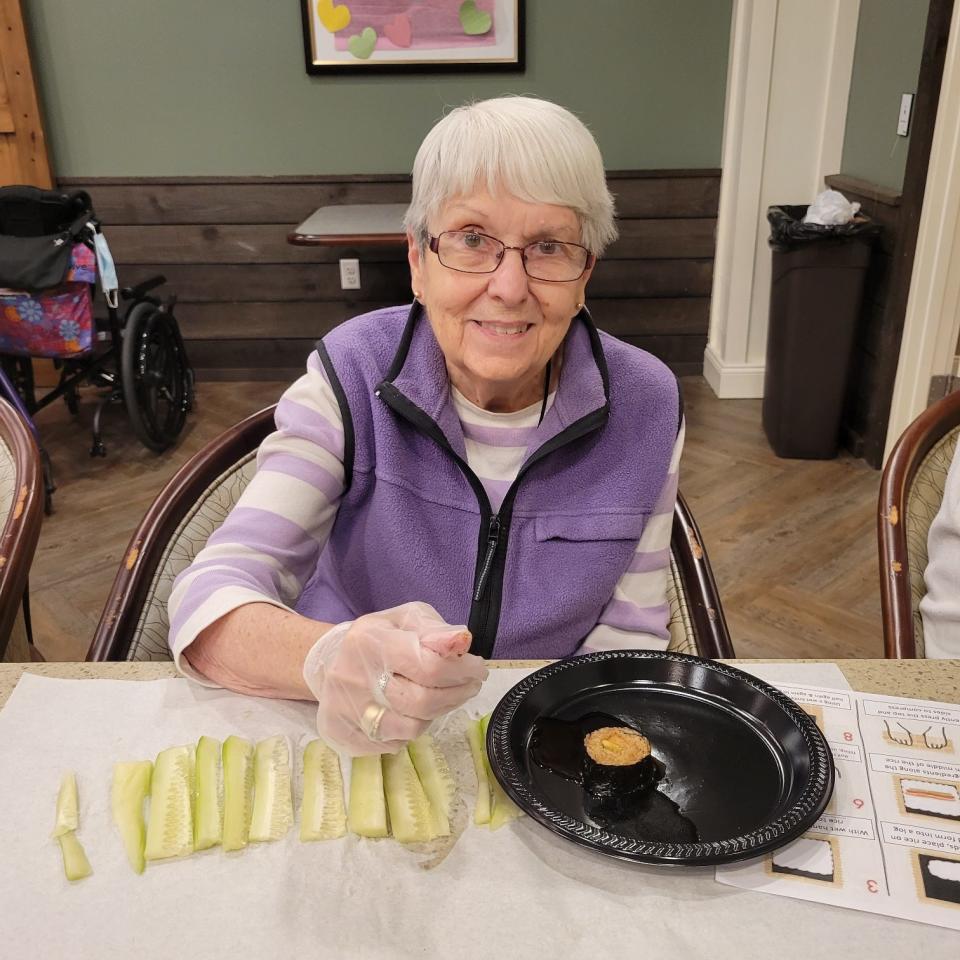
518,892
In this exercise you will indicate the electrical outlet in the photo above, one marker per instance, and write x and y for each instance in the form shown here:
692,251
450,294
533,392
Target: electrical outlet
349,274
906,108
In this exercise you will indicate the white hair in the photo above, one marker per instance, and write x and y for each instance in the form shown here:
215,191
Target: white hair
533,149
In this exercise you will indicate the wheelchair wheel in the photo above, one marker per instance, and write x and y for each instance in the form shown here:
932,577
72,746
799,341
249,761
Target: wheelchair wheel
154,375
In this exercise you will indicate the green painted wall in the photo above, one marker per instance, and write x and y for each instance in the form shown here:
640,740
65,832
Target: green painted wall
886,64
218,87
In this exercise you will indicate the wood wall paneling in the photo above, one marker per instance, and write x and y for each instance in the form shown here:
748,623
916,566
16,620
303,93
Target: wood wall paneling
251,305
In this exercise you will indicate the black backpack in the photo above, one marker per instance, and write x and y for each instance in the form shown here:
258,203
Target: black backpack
38,229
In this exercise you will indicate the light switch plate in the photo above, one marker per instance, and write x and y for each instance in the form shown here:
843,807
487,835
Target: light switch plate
906,108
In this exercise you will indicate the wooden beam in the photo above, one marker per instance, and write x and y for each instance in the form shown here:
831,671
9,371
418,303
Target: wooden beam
30,141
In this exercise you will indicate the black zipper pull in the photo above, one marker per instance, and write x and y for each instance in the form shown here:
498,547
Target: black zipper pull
493,538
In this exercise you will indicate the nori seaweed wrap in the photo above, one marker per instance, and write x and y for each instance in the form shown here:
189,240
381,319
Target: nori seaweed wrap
618,764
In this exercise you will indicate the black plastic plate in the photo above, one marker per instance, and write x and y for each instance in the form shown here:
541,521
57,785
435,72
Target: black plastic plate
747,770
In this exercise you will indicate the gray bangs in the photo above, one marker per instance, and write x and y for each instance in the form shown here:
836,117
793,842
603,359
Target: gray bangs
532,149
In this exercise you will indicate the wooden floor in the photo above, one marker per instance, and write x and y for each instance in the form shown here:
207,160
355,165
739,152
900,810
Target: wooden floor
792,543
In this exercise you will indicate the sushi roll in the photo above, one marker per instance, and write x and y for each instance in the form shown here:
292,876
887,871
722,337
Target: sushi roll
617,764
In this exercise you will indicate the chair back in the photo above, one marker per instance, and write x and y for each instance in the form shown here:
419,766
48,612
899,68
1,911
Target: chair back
135,624
697,624
911,490
21,513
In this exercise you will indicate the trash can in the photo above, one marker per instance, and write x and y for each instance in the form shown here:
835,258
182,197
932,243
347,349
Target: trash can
816,291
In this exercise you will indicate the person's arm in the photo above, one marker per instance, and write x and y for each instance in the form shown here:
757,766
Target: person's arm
637,614
940,607
232,653
230,618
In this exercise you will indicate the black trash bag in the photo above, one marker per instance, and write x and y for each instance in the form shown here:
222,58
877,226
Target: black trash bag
787,229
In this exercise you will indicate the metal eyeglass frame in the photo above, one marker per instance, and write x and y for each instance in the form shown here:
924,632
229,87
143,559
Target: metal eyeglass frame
435,248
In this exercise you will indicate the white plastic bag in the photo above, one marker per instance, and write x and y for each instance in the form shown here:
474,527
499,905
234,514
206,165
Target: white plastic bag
831,208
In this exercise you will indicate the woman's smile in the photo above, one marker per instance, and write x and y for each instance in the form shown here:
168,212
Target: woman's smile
501,331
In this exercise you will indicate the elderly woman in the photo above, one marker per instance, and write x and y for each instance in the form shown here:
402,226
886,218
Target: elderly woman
483,457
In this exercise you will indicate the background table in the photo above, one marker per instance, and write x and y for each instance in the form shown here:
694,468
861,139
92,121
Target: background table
352,225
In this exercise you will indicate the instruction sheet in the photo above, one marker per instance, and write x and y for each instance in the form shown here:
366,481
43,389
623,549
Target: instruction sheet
889,840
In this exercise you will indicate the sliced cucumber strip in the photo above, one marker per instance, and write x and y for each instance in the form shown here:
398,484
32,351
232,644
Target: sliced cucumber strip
75,863
503,809
272,790
481,813
170,826
131,786
411,820
67,806
437,781
237,792
367,810
323,815
208,795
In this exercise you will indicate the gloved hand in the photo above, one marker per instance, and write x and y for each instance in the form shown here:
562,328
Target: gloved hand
380,679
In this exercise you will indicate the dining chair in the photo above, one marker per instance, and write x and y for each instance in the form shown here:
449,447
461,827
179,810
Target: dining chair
911,490
21,513
134,624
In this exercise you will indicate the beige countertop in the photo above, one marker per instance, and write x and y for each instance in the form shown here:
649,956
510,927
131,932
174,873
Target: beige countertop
922,679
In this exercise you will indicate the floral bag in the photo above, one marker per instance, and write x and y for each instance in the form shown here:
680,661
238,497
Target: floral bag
54,323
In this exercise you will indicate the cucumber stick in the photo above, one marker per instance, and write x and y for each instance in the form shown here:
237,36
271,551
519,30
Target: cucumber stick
76,866
411,819
75,863
367,810
272,790
322,815
481,813
437,782
131,786
67,807
208,795
170,825
237,792
503,809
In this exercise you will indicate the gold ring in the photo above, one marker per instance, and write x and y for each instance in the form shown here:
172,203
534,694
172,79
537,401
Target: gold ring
371,719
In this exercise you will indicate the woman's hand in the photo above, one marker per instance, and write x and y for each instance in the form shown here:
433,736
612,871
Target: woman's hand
380,679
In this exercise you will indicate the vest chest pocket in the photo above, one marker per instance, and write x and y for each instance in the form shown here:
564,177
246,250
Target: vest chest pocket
586,527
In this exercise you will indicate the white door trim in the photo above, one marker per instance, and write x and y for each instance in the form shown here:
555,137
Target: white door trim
932,323
733,361
753,26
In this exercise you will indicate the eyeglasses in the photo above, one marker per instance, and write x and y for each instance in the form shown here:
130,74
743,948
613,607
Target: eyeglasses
472,252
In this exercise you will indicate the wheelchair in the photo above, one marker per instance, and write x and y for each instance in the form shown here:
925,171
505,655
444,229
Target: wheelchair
52,255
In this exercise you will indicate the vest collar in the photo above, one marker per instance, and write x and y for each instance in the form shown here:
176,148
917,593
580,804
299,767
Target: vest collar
419,373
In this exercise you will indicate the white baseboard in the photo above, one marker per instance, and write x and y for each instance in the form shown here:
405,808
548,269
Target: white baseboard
733,381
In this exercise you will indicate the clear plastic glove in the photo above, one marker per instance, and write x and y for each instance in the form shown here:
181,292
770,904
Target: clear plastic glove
381,679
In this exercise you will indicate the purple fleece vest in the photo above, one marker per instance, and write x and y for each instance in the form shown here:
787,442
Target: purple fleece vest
409,525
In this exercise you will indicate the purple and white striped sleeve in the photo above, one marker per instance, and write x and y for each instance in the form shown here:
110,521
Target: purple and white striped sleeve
267,547
637,614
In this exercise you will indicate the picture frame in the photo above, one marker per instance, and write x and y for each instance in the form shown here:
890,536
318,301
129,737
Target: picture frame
361,37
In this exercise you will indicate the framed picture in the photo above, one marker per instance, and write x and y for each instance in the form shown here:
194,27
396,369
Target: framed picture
392,36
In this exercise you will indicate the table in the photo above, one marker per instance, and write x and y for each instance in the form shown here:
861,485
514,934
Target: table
667,912
923,679
352,225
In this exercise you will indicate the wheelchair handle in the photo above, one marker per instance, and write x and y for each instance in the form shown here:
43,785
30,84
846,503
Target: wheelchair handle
142,289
